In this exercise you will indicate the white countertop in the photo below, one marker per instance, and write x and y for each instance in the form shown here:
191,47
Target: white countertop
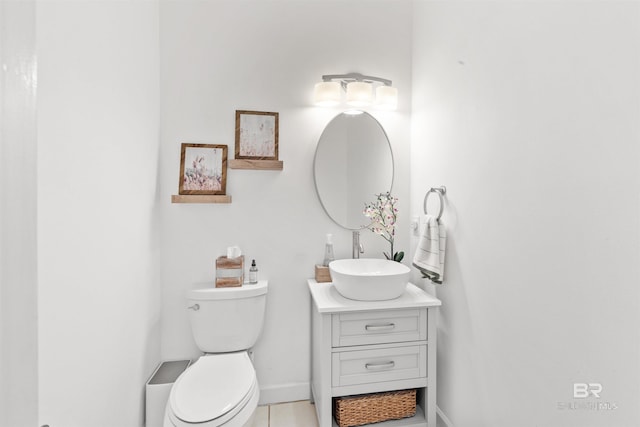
328,300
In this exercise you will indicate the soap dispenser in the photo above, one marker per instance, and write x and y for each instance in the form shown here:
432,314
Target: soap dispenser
328,251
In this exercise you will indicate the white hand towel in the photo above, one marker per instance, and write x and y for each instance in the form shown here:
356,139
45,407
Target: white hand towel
429,257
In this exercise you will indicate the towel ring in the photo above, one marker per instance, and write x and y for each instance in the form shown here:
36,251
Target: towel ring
440,191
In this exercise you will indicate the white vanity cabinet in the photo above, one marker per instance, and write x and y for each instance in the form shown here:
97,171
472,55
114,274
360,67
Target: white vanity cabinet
360,347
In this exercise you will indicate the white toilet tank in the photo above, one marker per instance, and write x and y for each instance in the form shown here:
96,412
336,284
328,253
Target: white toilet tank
227,319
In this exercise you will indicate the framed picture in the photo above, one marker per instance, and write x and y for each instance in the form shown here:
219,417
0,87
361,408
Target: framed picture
256,135
203,169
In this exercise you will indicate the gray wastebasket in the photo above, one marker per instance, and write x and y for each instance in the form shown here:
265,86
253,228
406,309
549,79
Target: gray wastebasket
158,388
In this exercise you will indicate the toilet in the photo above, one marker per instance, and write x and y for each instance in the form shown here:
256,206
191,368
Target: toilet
220,388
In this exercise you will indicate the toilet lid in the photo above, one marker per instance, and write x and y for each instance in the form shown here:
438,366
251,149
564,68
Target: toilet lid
212,387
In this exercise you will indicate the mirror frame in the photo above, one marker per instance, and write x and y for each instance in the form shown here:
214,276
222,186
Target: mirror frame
315,157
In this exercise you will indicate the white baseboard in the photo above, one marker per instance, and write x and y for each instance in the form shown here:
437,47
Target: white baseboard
291,392
442,420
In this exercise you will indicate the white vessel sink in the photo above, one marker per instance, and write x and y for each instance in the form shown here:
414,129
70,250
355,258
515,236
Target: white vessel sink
369,279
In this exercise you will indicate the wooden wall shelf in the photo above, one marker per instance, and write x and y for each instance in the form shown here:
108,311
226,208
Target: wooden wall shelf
198,198
256,164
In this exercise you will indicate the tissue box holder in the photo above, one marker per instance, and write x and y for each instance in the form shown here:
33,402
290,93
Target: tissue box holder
229,271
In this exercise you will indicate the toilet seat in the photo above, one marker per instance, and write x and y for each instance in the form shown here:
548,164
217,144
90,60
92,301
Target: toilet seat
213,390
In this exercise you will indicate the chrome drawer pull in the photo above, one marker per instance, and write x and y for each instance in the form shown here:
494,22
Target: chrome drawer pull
380,366
385,327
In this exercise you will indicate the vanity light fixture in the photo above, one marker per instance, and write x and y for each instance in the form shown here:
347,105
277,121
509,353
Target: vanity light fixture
327,94
387,97
359,91
359,94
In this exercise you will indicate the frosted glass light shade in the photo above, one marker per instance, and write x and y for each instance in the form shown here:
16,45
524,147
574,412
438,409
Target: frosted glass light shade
387,97
327,94
359,94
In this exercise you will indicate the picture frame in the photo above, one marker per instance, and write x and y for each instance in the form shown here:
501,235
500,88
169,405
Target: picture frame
203,169
256,135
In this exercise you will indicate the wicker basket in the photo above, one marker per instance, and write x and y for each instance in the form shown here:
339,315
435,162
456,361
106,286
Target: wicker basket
352,411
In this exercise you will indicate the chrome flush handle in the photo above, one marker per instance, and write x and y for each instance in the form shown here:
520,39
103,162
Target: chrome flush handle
194,307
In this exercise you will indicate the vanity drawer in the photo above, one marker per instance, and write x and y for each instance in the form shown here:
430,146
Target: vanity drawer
379,327
379,365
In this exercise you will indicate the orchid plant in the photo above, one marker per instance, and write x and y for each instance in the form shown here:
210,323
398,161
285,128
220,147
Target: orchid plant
383,214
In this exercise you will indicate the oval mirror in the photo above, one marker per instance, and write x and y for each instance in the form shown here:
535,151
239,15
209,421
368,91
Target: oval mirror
353,163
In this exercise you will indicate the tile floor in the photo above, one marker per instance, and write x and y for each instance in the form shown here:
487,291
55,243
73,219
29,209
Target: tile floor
292,414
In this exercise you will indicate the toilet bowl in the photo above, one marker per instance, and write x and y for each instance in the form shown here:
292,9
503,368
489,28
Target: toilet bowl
217,390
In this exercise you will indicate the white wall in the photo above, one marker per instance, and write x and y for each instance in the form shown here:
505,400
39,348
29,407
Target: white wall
98,244
528,113
222,56
18,278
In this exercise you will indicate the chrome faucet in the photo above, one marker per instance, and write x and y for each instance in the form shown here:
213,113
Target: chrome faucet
356,248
